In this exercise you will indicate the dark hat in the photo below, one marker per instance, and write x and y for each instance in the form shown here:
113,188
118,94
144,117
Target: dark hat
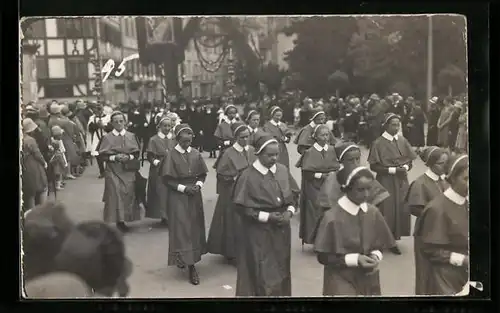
317,112
274,109
431,154
456,163
228,107
347,174
343,147
182,128
251,113
238,127
317,128
262,140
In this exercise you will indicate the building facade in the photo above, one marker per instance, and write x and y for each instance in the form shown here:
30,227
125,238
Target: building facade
64,67
273,42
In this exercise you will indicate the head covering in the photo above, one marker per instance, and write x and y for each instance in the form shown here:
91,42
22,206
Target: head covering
182,128
317,128
459,105
115,113
374,96
238,127
433,100
29,109
108,110
29,125
229,106
250,114
318,113
55,108
431,154
274,109
345,175
456,163
388,117
342,148
65,110
262,141
56,130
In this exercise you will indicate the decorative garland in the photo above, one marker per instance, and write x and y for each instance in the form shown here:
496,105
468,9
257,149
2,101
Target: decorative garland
204,62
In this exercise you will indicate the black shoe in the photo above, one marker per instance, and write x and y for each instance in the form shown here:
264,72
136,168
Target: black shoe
193,275
180,263
122,227
395,250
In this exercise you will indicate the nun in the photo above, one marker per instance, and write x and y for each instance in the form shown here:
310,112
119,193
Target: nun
184,172
223,229
120,150
158,147
349,155
351,238
391,158
305,140
223,132
443,235
264,200
422,191
316,163
253,121
280,132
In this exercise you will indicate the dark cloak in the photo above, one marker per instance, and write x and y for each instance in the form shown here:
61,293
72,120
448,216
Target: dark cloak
209,126
222,236
263,267
442,228
223,133
119,196
311,162
280,135
422,191
385,154
341,233
157,191
186,238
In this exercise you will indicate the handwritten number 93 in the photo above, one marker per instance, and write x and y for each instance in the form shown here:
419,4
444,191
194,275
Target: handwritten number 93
110,65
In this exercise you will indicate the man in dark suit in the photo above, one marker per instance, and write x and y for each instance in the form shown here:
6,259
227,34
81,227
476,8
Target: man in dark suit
146,127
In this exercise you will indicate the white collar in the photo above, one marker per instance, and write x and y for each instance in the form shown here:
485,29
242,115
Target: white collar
253,130
389,137
348,114
262,169
239,148
454,196
116,133
161,135
432,175
169,135
275,123
320,148
179,148
312,124
350,207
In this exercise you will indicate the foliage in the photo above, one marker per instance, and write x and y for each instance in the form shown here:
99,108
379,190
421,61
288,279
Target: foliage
377,54
402,88
451,77
339,80
272,77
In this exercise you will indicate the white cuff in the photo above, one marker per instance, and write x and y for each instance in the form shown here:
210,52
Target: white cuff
378,254
199,183
456,259
291,209
112,158
406,167
181,188
351,259
156,162
263,216
227,143
131,156
392,170
318,175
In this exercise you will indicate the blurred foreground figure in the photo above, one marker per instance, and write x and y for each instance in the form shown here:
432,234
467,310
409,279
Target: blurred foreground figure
62,260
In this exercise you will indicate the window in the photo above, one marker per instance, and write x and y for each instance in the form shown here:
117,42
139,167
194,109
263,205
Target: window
37,29
42,71
77,69
58,90
70,27
57,68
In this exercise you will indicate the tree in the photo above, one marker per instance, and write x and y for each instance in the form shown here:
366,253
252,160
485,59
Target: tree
272,77
339,81
319,49
452,78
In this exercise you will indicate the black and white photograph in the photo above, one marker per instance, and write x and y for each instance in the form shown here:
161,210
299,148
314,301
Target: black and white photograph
244,156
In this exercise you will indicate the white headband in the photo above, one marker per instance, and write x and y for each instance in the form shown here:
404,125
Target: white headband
430,153
347,149
250,113
236,130
389,117
265,144
354,172
455,164
316,129
315,115
274,110
183,128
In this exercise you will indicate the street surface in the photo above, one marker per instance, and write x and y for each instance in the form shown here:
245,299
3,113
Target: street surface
147,247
